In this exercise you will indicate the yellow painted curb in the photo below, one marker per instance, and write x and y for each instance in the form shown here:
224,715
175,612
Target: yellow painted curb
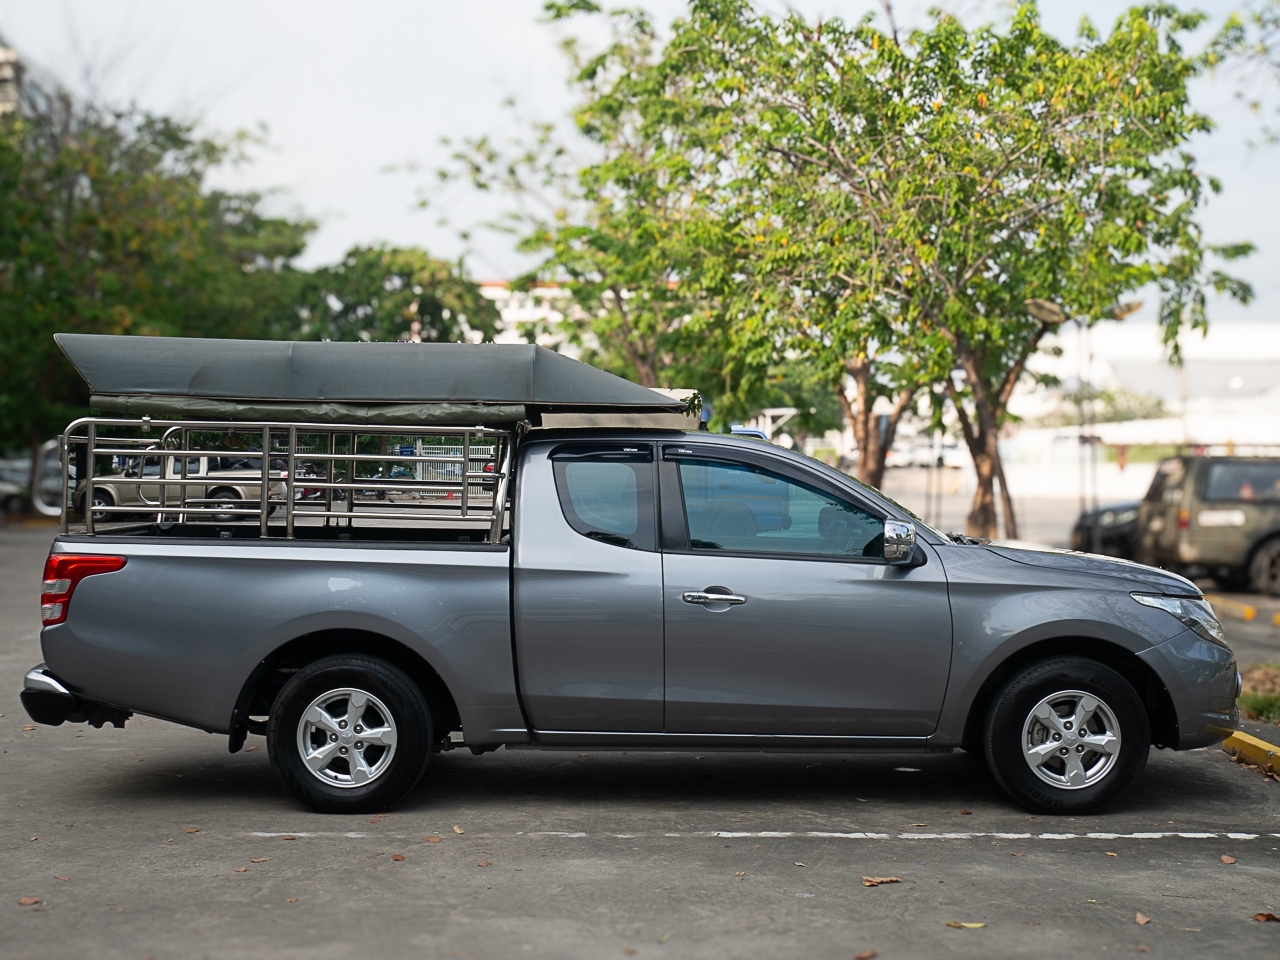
1244,611
1275,619
1251,749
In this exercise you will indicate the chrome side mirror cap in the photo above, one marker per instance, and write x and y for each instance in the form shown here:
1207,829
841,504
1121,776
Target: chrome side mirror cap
899,540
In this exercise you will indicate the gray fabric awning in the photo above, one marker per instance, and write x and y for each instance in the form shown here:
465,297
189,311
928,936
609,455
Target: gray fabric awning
344,382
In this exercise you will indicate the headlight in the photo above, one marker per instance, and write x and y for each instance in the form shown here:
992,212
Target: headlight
1196,614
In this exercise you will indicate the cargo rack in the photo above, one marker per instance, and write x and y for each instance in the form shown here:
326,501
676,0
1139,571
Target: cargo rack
314,474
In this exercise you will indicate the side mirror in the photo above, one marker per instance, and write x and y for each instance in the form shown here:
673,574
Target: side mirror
899,540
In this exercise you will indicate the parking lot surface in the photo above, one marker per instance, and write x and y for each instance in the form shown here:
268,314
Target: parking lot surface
154,841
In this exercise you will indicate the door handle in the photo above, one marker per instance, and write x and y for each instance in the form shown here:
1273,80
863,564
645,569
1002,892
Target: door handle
699,597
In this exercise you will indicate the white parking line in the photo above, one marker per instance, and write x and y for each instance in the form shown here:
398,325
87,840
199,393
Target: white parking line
823,835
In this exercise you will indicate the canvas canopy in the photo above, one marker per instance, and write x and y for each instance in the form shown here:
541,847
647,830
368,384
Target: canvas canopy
375,383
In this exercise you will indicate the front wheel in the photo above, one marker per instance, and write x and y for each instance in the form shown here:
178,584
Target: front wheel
349,734
1067,735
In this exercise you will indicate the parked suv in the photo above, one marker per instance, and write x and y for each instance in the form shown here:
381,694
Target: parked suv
1219,515
228,480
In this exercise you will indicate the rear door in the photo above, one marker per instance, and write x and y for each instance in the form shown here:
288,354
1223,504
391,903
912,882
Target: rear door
817,634
587,588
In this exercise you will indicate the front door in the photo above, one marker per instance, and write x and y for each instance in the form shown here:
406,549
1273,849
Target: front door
817,634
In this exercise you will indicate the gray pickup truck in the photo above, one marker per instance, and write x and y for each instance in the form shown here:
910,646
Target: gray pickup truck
579,572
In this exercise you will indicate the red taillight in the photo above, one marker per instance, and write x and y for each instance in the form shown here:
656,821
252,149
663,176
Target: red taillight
1184,518
62,571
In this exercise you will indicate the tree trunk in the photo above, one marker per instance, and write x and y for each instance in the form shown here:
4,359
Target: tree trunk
872,450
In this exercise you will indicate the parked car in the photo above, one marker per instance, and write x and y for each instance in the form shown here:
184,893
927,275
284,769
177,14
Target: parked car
1215,515
224,482
12,498
1110,530
632,588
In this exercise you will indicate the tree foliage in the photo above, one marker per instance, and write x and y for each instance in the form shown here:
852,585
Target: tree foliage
108,225
928,212
390,293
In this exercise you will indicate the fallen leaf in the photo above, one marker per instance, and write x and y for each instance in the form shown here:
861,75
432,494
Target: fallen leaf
1188,929
860,800
1110,854
485,863
799,864
457,829
242,869
32,901
28,726
1141,920
917,824
865,955
876,881
34,838
434,839
664,938
626,951
1226,859
291,900
259,859
170,840
251,749
288,836
584,755
57,876
966,813
959,925
1264,917
1142,949
1016,854
741,873
191,830
1033,923
397,857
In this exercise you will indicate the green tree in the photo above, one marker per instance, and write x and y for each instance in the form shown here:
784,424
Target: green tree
107,225
968,189
390,293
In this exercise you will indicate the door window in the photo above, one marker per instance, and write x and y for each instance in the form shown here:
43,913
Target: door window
609,497
1242,482
739,508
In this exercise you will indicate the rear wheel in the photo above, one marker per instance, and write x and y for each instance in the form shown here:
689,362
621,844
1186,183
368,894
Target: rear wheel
100,499
1265,568
349,734
1067,735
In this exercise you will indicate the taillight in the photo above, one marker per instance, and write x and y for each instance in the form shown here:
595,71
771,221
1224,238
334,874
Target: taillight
62,571
1184,518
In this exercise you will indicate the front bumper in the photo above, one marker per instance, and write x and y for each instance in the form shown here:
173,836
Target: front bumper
1203,683
48,701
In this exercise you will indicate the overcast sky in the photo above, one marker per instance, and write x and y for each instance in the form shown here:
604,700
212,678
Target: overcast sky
346,90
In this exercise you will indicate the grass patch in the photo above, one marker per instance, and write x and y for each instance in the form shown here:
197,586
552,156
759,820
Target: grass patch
1260,696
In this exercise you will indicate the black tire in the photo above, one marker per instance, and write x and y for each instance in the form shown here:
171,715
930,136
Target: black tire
1103,775
386,688
1231,579
226,499
1264,570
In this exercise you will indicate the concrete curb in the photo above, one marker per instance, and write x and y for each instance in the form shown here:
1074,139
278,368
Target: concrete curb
1251,749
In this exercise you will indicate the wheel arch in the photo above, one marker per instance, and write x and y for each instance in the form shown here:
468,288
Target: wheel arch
274,670
1155,697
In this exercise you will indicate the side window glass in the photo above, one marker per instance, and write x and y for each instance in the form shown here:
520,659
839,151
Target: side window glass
745,509
609,498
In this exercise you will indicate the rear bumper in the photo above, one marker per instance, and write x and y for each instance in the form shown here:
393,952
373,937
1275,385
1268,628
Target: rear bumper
47,700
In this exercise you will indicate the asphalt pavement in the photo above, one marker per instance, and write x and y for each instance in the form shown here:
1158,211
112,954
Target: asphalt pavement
154,841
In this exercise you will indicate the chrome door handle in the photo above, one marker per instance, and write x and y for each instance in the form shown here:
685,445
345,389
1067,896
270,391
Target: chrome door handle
700,597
